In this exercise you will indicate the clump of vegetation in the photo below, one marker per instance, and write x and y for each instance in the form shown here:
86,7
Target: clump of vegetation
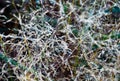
60,40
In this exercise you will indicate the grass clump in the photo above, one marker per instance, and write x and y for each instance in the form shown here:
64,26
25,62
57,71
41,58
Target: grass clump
62,41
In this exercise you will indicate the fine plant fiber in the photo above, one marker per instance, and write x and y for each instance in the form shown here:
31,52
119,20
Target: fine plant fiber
63,40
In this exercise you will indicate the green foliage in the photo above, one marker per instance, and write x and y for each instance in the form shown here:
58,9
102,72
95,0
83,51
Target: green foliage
75,32
115,36
100,66
95,46
83,62
3,57
104,37
50,20
66,8
13,62
115,9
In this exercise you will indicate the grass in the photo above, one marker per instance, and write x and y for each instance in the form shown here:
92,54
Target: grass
70,43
